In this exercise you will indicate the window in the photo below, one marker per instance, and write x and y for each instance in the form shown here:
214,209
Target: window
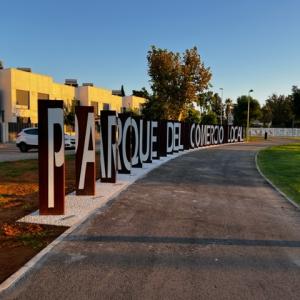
43,96
106,106
32,131
23,98
95,104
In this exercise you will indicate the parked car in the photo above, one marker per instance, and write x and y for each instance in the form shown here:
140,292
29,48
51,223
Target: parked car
28,139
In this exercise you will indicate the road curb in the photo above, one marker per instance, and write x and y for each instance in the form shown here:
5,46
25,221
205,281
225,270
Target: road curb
273,186
11,281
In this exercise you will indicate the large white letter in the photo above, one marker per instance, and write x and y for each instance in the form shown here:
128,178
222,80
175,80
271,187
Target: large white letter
153,138
55,116
88,155
170,127
191,135
144,156
198,135
176,137
111,148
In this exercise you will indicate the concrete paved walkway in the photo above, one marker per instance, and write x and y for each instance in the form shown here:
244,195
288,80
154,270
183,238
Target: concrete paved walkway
204,226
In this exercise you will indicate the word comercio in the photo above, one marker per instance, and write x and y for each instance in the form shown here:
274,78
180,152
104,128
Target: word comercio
126,142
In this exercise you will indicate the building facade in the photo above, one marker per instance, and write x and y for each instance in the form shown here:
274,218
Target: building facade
133,103
20,90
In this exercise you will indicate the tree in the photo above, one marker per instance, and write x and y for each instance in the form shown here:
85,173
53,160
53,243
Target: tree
69,112
142,93
228,107
216,106
209,118
296,102
193,115
204,100
176,81
281,108
240,110
210,101
133,111
69,115
153,109
266,115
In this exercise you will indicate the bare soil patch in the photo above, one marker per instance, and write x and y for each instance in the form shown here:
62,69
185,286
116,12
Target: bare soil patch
19,188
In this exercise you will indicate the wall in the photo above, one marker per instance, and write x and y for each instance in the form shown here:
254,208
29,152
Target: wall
133,102
284,132
5,87
14,79
88,94
34,83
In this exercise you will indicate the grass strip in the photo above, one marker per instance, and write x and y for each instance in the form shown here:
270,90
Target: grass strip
281,165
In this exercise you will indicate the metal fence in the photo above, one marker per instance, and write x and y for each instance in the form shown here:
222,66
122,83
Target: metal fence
280,132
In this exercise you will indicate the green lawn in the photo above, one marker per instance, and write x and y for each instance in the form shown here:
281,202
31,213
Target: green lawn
281,164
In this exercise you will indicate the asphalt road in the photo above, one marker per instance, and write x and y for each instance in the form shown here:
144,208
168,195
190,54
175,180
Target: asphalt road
203,226
9,152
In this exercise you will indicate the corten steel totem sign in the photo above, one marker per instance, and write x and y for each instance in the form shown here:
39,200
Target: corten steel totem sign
124,143
162,137
85,150
51,157
185,136
108,146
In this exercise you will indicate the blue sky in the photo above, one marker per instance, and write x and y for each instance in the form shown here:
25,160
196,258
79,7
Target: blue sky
248,44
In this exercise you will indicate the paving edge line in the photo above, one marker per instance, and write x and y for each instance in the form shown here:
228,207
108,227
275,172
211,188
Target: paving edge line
18,275
273,185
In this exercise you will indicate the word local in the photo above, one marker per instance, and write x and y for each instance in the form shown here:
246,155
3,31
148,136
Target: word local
125,142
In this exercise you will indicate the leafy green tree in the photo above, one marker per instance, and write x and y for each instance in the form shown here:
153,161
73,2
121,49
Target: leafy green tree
228,107
204,101
134,111
210,101
296,102
176,81
266,115
153,109
282,110
240,110
69,115
193,115
142,93
216,106
69,112
209,118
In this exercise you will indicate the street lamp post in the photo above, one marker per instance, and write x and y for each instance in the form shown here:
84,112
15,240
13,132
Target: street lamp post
248,114
221,105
